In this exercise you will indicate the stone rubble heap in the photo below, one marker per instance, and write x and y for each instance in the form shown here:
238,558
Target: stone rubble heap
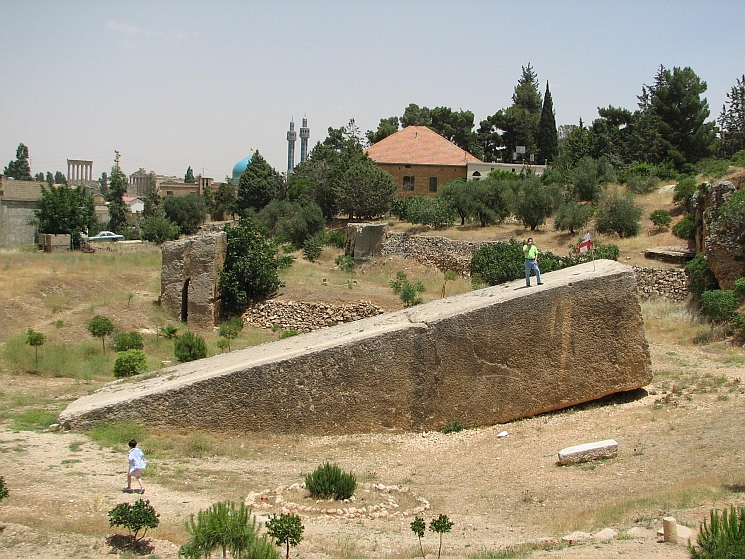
671,283
439,252
306,316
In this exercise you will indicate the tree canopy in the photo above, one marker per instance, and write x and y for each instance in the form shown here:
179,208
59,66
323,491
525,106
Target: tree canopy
19,169
732,120
258,184
65,210
117,208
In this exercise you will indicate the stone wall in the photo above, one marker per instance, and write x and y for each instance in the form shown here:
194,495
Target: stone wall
460,358
189,276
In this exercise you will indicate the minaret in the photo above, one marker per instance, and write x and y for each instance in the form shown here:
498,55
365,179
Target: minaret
291,137
304,135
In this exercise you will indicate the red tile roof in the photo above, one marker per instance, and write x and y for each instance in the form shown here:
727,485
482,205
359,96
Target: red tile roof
418,145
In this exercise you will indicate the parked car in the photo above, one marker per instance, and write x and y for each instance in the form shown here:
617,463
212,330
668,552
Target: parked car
106,236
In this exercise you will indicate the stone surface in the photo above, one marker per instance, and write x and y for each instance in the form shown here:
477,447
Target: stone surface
191,268
483,357
725,253
588,451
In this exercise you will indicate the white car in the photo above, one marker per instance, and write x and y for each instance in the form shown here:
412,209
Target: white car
106,236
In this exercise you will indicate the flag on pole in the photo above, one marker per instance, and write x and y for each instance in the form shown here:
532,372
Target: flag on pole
585,245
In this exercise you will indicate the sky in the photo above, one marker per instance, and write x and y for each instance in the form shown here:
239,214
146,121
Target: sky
202,83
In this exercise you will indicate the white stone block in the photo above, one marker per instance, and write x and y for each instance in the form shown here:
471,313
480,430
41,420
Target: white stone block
588,451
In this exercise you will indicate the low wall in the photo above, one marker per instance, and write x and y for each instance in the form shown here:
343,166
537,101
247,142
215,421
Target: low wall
483,357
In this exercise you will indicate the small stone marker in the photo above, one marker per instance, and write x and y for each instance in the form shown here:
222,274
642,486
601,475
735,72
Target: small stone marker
588,451
669,529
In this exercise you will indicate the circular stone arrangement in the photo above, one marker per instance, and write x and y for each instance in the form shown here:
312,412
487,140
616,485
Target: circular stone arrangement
370,501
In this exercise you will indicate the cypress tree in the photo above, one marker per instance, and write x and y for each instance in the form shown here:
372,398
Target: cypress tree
548,142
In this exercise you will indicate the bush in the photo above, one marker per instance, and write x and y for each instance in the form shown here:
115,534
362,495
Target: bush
739,328
229,330
312,249
642,185
345,263
250,270
99,326
188,212
618,214
732,215
684,191
328,481
714,168
661,219
572,216
190,347
453,427
159,229
719,305
738,158
140,515
700,276
229,527
130,363
336,238
408,292
740,289
723,537
128,340
499,262
534,202
686,228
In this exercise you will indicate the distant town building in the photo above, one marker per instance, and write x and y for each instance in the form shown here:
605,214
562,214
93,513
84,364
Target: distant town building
420,160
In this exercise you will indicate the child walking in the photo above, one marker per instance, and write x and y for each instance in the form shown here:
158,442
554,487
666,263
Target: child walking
137,463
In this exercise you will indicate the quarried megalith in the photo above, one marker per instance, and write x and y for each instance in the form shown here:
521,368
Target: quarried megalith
484,357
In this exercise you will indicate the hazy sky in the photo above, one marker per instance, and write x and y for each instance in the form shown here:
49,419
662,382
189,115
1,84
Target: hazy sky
178,84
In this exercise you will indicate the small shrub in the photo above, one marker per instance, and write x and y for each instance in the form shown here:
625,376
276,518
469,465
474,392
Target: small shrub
135,517
740,289
684,191
229,528
723,537
700,276
328,481
190,347
618,214
336,238
418,527
169,332
440,525
128,340
499,262
686,228
738,323
130,363
453,427
229,330
642,185
408,292
345,263
661,219
719,305
288,334
3,489
312,249
159,229
285,529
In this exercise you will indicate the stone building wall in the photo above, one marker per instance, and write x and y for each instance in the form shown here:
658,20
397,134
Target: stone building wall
189,275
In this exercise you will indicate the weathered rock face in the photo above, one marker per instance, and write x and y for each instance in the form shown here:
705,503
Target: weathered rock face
724,253
189,275
484,357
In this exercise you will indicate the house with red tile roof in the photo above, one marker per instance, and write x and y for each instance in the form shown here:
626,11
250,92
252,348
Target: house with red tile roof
420,160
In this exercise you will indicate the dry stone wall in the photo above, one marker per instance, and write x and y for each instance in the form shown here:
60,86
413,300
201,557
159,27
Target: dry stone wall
305,316
459,358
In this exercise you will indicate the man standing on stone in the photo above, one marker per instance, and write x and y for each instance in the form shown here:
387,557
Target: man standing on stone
531,262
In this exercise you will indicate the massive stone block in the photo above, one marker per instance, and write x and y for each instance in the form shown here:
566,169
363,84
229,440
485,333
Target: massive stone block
484,357
189,275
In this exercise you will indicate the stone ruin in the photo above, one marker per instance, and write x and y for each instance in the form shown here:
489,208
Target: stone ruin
483,357
189,275
724,252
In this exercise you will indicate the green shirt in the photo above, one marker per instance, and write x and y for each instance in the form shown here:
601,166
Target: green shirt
530,253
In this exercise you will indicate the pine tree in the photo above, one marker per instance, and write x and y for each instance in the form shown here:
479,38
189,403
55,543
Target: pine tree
19,169
153,201
117,189
548,143
258,184
732,121
189,177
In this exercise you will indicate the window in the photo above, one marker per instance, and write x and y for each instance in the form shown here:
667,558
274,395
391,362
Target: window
408,183
433,184
169,192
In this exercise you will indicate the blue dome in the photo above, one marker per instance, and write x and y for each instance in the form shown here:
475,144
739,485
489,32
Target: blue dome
240,167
